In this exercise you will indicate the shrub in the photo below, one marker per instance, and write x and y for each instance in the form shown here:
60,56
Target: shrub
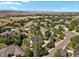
51,44
74,40
37,48
18,42
76,50
61,36
44,51
58,53
73,25
47,35
28,52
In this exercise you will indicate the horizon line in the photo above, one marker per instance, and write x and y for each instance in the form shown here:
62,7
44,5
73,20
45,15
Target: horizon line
37,10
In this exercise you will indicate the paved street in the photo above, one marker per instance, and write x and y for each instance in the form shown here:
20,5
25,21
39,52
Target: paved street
62,44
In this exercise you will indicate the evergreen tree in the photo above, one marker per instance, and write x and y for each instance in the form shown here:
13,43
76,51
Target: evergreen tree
28,52
37,48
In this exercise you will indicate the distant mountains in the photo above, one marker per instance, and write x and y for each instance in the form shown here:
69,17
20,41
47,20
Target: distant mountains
19,12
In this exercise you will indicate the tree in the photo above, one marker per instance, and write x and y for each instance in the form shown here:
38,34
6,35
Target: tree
40,37
61,36
73,24
21,22
18,42
77,28
1,39
53,24
52,40
58,53
9,40
19,55
26,42
21,36
28,52
64,53
47,34
54,35
61,28
70,28
44,51
57,31
37,48
51,43
76,51
74,41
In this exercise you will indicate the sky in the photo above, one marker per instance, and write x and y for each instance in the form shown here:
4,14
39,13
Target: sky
66,6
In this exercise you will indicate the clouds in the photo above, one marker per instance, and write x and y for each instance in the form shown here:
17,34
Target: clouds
40,6
13,2
13,8
10,3
70,7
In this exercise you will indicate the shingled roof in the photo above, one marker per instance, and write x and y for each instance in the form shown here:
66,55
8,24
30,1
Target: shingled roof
11,50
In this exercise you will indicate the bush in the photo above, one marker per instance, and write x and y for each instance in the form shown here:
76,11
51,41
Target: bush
57,31
28,52
25,44
21,36
61,28
47,35
73,25
76,50
54,35
18,42
74,41
1,39
8,41
61,36
70,28
64,53
50,45
58,53
37,48
44,51
77,30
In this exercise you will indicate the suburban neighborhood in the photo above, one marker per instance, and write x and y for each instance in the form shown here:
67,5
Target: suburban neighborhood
39,34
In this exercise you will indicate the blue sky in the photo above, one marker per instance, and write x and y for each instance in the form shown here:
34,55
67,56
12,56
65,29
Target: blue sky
68,6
